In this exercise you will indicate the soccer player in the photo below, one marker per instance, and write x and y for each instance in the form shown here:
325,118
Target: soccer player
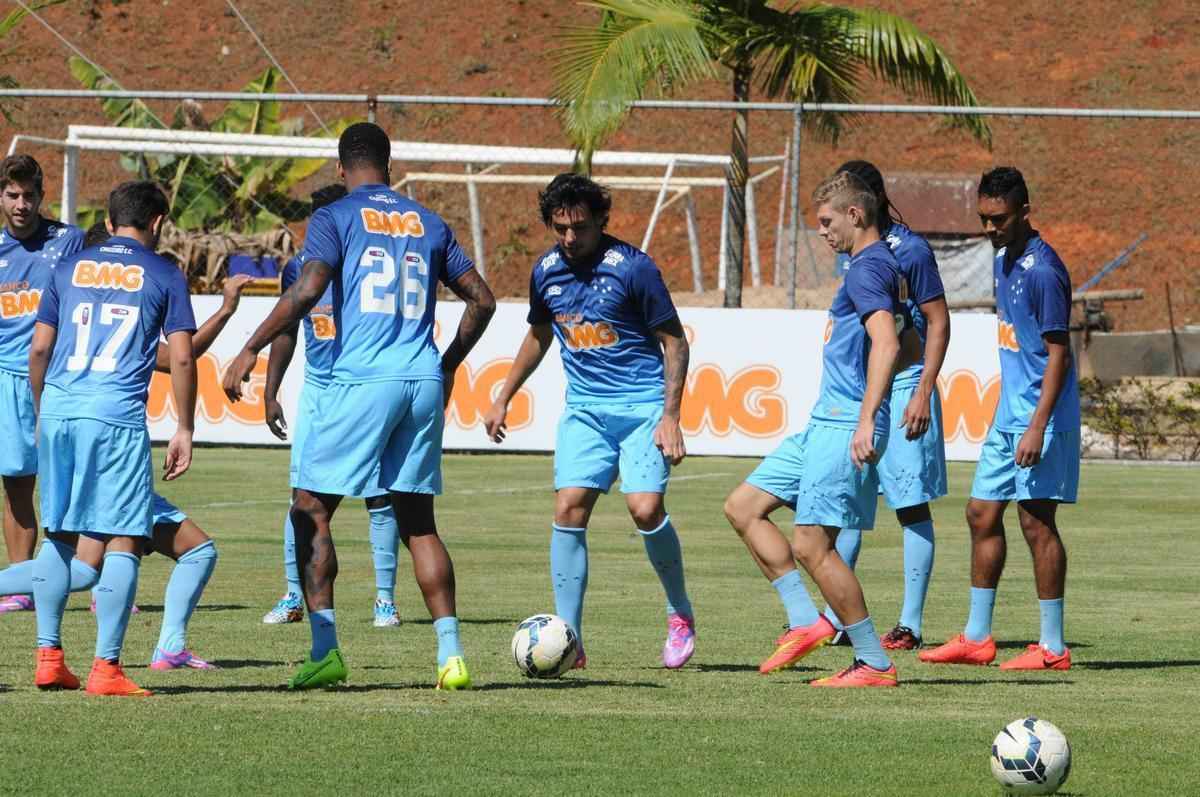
94,349
319,340
1031,454
912,470
625,357
385,403
829,471
30,247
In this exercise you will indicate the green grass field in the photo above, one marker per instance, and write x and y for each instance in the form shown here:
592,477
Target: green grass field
1129,705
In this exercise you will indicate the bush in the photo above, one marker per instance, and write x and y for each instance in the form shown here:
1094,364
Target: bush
1153,417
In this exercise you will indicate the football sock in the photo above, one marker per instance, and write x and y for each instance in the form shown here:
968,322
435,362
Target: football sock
867,647
447,637
83,576
324,633
51,582
385,539
291,571
188,580
918,566
569,571
18,579
114,600
849,541
662,548
979,621
796,601
1052,626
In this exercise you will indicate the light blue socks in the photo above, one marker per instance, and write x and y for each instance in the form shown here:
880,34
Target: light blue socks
1052,626
385,542
662,548
447,638
324,633
114,600
291,571
569,573
918,567
18,579
796,601
188,580
51,583
867,647
848,544
979,621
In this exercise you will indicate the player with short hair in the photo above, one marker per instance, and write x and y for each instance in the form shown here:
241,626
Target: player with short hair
912,470
94,349
625,356
385,405
319,343
829,472
1031,454
30,247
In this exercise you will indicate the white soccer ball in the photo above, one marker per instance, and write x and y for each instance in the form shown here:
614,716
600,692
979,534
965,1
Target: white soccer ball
1031,756
545,646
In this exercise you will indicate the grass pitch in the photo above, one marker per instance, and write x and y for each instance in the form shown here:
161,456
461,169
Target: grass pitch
626,725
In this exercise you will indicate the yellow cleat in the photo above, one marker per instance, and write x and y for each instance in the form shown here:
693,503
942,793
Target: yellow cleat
453,674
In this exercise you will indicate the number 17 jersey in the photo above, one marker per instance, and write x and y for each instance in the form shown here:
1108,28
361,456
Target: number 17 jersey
387,254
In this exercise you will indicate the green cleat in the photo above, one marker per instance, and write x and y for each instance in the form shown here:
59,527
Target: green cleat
326,672
453,674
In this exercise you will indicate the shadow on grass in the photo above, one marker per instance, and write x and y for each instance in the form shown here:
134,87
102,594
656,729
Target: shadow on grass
998,682
283,690
1161,664
745,668
1012,644
469,621
533,683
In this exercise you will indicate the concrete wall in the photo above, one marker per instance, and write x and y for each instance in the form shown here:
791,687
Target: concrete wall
1116,354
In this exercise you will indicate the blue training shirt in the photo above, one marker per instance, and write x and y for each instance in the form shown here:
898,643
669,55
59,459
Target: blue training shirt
319,329
26,268
604,314
920,270
872,283
1033,297
387,254
110,304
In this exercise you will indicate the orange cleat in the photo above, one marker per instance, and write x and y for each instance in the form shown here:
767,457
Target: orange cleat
52,672
107,678
1037,657
796,643
859,674
961,650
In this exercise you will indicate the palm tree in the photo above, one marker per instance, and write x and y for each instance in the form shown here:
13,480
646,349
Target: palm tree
806,53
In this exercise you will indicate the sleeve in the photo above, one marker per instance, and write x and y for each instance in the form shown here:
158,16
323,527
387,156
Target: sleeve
289,275
924,281
72,244
649,293
322,240
872,287
48,304
457,263
1049,299
179,316
539,313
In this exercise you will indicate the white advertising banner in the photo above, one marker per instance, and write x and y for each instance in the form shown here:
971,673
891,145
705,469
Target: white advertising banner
754,377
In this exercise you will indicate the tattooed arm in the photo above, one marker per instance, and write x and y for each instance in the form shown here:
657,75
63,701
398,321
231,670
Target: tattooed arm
481,306
668,436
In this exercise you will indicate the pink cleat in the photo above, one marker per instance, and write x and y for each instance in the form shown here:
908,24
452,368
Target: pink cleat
681,641
16,603
134,610
162,660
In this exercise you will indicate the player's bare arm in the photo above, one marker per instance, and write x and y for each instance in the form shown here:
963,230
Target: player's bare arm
1058,366
529,356
183,388
668,436
881,365
291,307
283,348
207,334
481,306
917,414
40,349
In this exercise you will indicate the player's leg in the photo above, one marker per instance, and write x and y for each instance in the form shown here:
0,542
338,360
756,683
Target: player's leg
20,533
848,546
18,467
916,523
114,603
195,554
385,544
316,557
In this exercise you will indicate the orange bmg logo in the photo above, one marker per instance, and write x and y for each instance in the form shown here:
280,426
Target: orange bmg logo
19,303
393,223
968,405
586,335
474,392
747,402
211,403
1007,336
90,274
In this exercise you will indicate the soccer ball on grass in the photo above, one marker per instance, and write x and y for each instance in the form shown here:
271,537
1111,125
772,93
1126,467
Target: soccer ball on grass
545,646
1031,756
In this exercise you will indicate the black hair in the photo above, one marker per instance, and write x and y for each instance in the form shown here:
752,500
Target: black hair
571,190
364,144
873,178
136,203
96,234
21,169
327,195
1004,182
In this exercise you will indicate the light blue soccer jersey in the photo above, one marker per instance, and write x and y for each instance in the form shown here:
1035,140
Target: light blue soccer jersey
319,330
388,254
604,315
920,270
110,304
26,268
1033,297
872,283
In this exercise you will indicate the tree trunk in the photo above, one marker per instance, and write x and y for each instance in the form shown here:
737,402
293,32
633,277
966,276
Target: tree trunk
738,173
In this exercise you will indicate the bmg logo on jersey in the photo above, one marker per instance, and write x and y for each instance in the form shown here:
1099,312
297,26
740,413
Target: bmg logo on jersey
1006,333
15,304
393,223
580,335
116,276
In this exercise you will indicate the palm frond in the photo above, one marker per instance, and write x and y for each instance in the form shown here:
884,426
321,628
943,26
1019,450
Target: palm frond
599,70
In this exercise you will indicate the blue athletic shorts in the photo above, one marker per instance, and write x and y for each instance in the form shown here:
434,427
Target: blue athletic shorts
596,442
1055,477
310,396
164,512
812,473
913,472
18,452
375,435
95,478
